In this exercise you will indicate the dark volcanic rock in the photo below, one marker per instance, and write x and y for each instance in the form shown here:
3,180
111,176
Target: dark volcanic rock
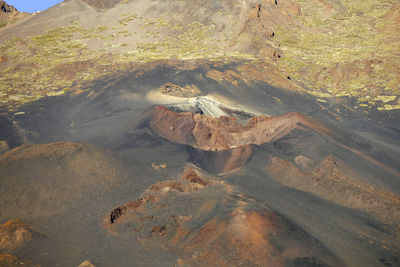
6,8
223,133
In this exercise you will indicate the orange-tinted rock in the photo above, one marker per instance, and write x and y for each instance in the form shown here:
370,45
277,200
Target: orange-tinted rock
215,134
192,176
4,147
14,234
303,161
86,263
158,166
222,161
213,225
7,260
232,159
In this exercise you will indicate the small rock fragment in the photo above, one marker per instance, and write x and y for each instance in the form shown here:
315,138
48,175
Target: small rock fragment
86,263
4,147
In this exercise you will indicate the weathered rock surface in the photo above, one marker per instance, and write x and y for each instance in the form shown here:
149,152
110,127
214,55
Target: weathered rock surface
6,8
223,133
86,263
14,234
176,90
4,147
7,260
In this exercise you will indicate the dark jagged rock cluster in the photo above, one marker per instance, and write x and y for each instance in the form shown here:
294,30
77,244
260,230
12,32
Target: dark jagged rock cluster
6,8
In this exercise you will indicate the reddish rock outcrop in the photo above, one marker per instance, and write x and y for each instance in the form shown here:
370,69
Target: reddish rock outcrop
14,234
7,260
222,161
208,222
223,133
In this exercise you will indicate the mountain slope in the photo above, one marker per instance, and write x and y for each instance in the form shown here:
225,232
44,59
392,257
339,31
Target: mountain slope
55,177
181,133
282,40
9,15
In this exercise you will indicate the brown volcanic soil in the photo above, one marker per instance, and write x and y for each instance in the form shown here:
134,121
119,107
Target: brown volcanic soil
223,133
335,181
208,222
42,180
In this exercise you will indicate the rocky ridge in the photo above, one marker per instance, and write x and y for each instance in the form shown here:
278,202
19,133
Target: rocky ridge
9,15
217,225
224,132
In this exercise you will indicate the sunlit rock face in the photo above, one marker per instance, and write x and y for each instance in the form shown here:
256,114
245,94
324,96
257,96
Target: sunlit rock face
6,8
14,234
222,133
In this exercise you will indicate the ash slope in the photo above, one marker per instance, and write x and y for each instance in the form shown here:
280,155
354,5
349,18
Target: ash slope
219,227
116,114
332,184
